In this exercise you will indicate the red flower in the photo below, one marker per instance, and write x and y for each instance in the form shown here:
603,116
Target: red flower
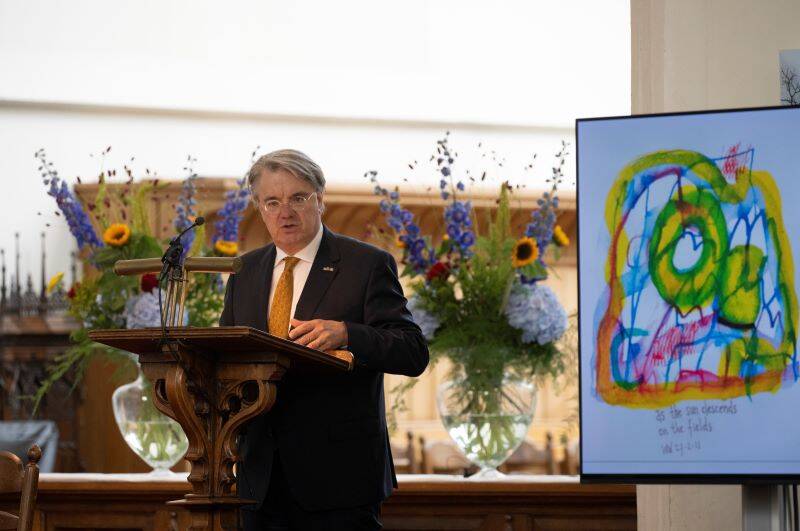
71,292
149,282
438,270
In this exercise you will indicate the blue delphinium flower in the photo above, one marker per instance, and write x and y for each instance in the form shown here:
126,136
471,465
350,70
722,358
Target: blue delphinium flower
227,228
543,219
424,319
184,209
458,223
534,309
459,226
77,219
457,215
444,163
418,254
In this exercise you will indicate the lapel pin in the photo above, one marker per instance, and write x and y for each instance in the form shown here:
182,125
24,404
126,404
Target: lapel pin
327,268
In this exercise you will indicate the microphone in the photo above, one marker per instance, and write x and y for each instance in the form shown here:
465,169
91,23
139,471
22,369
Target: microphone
199,220
172,256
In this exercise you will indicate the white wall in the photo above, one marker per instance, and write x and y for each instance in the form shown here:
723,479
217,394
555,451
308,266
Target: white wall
514,62
709,54
358,85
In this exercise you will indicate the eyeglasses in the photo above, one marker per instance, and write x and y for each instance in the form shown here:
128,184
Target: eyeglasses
296,203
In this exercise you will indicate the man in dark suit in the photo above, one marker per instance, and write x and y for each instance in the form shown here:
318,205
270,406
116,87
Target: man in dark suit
321,458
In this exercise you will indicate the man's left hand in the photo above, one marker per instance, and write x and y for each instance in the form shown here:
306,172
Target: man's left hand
319,334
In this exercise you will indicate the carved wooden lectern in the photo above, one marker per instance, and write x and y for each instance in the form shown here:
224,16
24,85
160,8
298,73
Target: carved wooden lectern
212,381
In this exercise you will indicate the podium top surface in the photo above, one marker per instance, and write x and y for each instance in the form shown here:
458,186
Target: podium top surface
231,343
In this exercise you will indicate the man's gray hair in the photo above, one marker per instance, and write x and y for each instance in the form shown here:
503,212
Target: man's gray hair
295,162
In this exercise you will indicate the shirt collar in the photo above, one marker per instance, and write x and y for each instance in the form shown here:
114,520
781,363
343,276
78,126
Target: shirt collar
307,253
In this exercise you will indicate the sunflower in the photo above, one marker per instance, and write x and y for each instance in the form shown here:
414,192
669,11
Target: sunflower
525,252
226,248
54,282
117,235
560,237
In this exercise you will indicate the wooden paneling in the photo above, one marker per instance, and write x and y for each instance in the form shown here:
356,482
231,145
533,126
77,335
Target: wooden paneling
519,503
136,502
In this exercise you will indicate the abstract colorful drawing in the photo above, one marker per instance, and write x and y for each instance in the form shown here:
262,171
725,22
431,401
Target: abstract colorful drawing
700,300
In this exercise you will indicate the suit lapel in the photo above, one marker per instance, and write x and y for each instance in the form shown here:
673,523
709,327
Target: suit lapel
323,271
265,268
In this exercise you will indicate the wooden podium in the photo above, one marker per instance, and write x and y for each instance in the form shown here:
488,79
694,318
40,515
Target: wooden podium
212,381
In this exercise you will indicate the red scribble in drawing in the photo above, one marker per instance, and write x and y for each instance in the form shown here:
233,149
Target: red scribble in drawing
731,165
736,162
677,341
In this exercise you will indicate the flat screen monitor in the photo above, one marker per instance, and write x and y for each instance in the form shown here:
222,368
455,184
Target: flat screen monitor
689,239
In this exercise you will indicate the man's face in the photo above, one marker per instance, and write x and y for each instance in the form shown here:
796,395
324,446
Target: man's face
291,229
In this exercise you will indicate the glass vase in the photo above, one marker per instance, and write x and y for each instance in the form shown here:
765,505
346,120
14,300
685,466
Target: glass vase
157,439
487,420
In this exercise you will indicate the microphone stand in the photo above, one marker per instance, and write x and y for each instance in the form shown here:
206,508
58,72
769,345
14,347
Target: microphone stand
172,272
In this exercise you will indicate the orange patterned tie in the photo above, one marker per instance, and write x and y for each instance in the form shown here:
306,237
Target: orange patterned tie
279,314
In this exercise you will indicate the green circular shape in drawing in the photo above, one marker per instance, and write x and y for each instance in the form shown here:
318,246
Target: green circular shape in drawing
694,286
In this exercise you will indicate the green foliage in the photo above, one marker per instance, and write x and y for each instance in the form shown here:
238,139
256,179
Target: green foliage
101,203
474,333
500,228
140,221
206,295
199,247
138,246
204,299
76,359
568,345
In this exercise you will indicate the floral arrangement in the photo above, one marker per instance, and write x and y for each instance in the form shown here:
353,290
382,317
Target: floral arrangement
115,226
479,297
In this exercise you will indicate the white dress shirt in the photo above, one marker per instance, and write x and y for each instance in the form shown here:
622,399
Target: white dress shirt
301,269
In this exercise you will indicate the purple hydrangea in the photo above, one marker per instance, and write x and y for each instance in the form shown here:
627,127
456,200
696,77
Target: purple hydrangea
424,319
142,311
534,309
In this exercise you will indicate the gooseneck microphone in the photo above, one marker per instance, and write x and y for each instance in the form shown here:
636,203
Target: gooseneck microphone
172,260
172,256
